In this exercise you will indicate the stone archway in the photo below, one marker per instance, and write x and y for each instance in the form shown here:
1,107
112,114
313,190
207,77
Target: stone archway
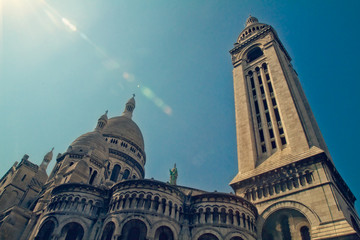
208,236
284,224
46,231
72,231
134,230
164,233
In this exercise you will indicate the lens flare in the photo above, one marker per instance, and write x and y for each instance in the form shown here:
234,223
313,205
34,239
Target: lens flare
68,24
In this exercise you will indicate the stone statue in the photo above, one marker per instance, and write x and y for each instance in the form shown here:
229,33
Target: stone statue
173,175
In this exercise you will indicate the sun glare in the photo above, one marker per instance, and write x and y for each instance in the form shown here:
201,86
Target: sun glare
68,24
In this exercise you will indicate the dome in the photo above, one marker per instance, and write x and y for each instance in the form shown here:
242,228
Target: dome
251,20
252,27
89,141
124,127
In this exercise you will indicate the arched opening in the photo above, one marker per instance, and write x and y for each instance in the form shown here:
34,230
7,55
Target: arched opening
236,238
115,173
46,231
208,236
305,233
126,174
108,231
134,230
164,233
279,223
254,54
72,231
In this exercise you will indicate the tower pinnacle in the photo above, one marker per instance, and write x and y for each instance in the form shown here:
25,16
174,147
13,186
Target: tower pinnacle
129,107
251,20
102,121
46,160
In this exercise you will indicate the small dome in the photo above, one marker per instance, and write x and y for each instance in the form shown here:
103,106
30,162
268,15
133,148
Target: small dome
92,141
125,127
251,20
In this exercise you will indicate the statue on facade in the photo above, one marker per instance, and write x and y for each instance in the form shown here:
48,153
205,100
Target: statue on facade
173,175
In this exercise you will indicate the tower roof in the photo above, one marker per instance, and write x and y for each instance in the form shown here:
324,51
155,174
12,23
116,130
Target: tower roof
49,155
251,20
252,27
104,116
89,142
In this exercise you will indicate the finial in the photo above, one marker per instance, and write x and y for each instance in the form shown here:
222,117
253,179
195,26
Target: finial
133,94
106,112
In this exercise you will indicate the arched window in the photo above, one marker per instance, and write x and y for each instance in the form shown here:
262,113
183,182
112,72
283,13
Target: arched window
126,174
115,173
108,231
46,231
134,230
93,176
164,233
305,234
72,231
254,54
208,236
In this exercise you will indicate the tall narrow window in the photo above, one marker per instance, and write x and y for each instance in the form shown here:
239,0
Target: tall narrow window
115,173
93,176
126,174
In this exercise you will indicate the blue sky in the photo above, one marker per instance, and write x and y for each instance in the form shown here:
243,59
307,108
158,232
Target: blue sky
63,63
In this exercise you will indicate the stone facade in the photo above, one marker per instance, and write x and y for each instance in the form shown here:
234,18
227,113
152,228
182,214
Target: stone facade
287,186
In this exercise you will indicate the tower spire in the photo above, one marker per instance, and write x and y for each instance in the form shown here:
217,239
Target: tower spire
129,107
46,160
102,122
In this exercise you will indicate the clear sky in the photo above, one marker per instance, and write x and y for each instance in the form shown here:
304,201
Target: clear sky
64,62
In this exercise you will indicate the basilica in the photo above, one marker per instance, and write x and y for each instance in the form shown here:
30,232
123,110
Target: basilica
287,186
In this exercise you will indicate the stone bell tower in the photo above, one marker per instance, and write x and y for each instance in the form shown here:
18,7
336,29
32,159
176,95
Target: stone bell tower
285,168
